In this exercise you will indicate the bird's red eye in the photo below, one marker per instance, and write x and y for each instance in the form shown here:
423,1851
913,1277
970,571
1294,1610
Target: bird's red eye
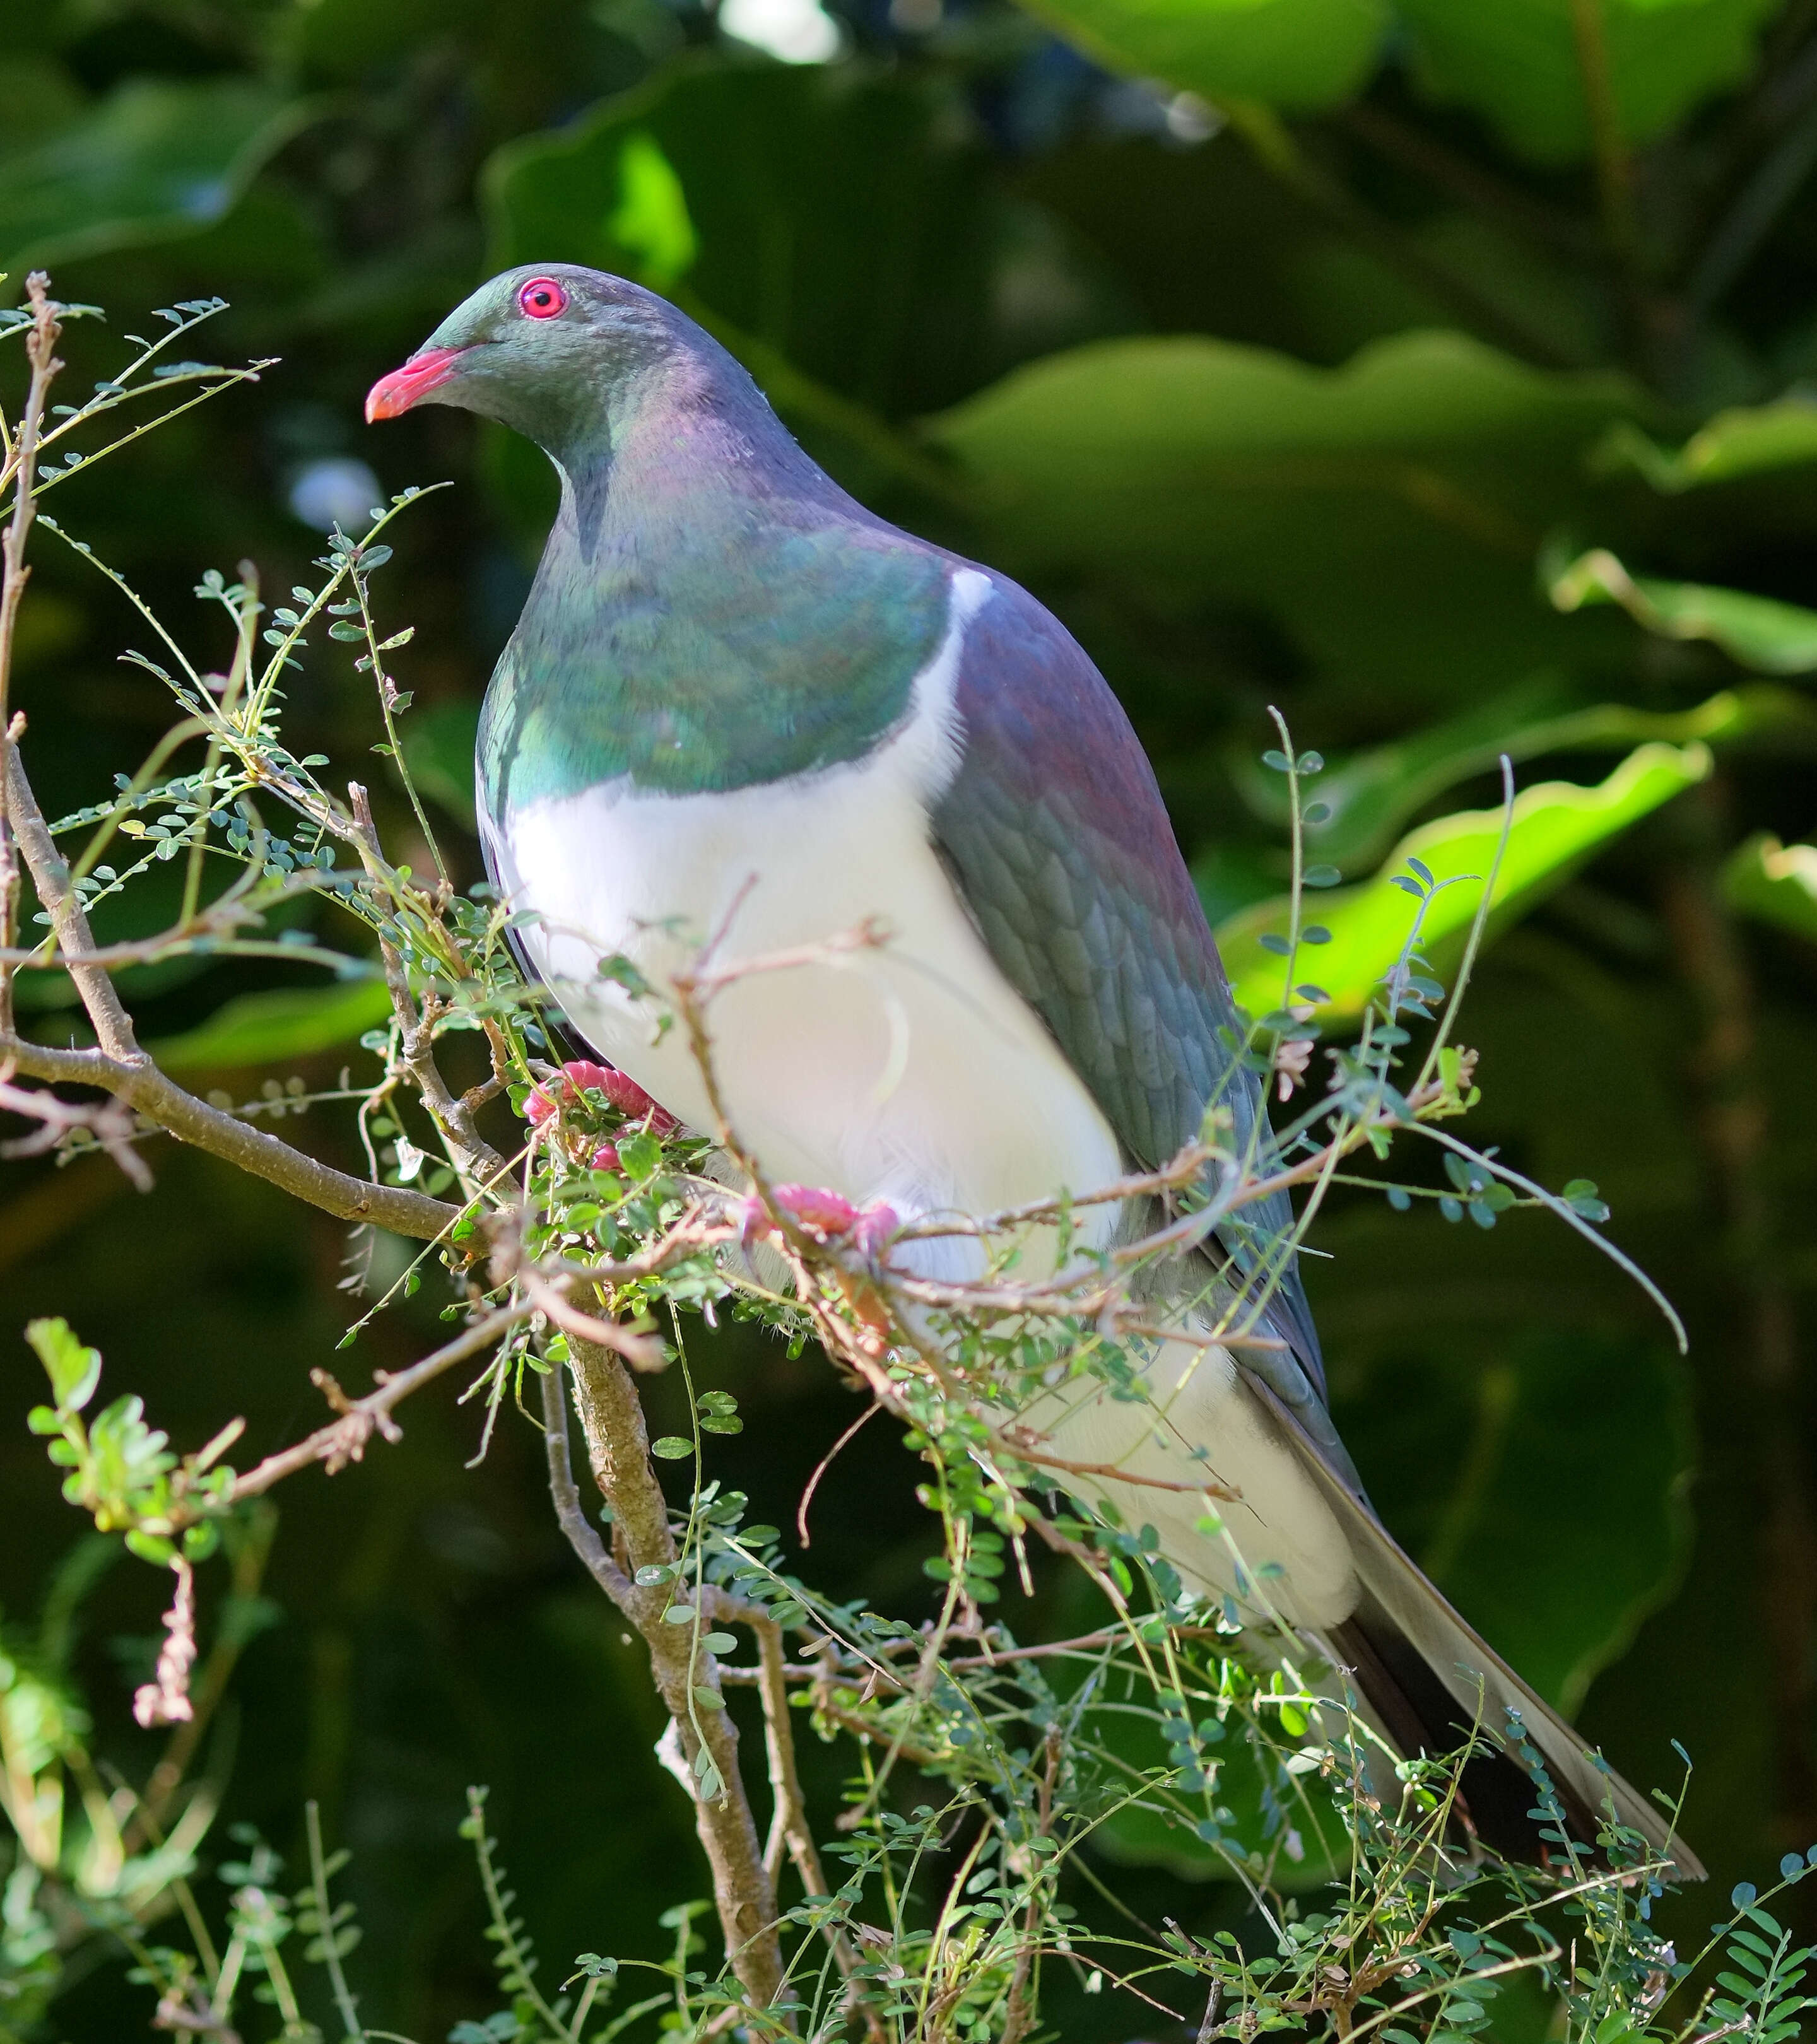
542,298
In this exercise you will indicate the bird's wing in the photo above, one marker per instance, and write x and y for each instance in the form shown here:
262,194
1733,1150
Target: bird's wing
1055,832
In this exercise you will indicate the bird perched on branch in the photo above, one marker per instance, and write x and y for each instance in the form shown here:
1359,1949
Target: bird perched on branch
739,704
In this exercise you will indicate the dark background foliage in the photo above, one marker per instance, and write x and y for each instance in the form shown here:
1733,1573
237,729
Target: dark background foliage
1092,326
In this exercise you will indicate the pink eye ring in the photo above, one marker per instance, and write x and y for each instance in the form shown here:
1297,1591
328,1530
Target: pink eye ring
542,298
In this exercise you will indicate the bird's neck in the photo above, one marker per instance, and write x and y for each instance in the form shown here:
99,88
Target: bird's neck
712,611
672,464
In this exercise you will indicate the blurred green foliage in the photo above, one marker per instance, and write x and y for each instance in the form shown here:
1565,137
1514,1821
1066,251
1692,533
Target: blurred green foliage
1435,371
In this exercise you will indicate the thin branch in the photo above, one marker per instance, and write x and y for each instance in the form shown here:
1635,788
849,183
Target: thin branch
40,347
344,1439
57,894
642,1351
138,1082
583,1535
110,1123
469,1152
826,1463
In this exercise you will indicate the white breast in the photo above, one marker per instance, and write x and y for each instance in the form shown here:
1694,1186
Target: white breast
913,1072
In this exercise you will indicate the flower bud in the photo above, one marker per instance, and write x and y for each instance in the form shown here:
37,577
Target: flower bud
814,1207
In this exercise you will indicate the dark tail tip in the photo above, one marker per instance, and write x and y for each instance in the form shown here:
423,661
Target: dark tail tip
1496,1795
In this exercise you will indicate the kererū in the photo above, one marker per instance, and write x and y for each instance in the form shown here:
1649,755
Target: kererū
738,705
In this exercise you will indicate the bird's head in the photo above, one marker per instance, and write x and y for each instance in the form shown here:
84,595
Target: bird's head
543,348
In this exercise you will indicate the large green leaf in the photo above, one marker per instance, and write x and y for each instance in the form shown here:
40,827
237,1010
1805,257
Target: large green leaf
1518,63
1295,54
1757,631
1578,1438
268,1029
1556,825
1774,883
155,160
841,219
1385,514
1372,794
1745,440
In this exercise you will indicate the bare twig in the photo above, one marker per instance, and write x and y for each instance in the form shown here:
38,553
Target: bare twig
343,1440
110,1123
642,1351
826,1463
583,1535
165,1699
469,1152
250,1557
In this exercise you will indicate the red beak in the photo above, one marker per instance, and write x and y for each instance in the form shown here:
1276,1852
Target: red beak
427,369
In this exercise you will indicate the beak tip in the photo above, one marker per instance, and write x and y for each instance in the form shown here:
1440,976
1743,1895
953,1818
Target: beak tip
426,371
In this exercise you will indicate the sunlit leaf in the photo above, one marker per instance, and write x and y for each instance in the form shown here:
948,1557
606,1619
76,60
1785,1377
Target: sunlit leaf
1336,502
1518,63
1757,631
1556,825
1774,883
73,1367
651,220
1293,54
1747,439
265,1028
1371,794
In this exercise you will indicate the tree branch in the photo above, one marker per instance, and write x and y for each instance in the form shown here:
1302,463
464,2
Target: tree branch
121,1068
618,1446
40,349
138,1082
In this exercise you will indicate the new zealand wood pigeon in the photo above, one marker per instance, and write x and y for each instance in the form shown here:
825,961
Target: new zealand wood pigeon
739,703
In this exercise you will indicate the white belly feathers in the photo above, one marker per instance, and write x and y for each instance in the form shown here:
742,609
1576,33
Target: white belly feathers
912,1072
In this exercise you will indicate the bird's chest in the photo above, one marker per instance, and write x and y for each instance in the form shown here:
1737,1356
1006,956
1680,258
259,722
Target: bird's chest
862,1035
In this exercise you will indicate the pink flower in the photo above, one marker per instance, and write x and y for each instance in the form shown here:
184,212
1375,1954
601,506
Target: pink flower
752,1220
605,1157
823,1213
583,1075
814,1207
876,1224
582,1072
622,1092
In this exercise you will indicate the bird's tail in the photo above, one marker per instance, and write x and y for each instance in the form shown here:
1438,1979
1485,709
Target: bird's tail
1429,1681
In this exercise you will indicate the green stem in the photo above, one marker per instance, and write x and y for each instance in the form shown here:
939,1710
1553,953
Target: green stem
386,693
1615,172
324,1922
